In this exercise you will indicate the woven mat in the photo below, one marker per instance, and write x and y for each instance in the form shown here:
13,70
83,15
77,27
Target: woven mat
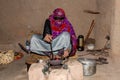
33,58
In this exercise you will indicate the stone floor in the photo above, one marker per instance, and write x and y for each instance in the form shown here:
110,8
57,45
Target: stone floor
17,71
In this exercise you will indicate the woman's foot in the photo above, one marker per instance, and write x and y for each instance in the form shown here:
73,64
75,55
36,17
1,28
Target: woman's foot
66,53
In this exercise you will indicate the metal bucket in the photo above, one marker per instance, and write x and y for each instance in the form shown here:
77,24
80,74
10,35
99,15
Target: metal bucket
89,66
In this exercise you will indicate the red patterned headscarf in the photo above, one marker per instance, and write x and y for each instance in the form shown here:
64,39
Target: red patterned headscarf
59,23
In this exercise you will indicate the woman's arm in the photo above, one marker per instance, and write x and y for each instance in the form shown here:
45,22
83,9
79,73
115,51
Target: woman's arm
47,31
47,28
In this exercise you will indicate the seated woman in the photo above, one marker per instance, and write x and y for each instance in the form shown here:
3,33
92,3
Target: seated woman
58,32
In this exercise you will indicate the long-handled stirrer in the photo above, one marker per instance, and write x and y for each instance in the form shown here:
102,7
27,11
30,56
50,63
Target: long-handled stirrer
51,51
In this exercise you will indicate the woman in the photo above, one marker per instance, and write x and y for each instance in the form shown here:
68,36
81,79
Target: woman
59,33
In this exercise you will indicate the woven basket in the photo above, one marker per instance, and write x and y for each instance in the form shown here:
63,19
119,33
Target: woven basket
6,57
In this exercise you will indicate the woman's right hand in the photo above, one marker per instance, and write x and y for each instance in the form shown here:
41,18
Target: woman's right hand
48,38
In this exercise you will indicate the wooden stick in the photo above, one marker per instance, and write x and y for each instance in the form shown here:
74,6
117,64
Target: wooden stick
90,30
23,48
91,12
52,55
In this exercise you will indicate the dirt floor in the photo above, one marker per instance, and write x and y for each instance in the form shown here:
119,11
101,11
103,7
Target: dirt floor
17,71
14,71
109,71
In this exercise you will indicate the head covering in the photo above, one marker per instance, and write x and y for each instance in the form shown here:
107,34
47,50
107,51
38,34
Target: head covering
59,12
59,26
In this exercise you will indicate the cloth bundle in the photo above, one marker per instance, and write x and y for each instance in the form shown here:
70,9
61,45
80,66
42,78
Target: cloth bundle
6,57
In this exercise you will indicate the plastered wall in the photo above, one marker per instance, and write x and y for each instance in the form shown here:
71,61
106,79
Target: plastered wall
108,23
104,21
115,30
19,17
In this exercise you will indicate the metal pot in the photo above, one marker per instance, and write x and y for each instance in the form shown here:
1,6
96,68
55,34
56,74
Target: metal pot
89,66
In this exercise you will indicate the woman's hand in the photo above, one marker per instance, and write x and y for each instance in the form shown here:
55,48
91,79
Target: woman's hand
48,38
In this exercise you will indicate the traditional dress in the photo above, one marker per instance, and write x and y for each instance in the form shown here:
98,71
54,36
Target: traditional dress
62,32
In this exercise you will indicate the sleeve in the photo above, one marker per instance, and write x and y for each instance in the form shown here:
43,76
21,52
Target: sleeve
47,28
